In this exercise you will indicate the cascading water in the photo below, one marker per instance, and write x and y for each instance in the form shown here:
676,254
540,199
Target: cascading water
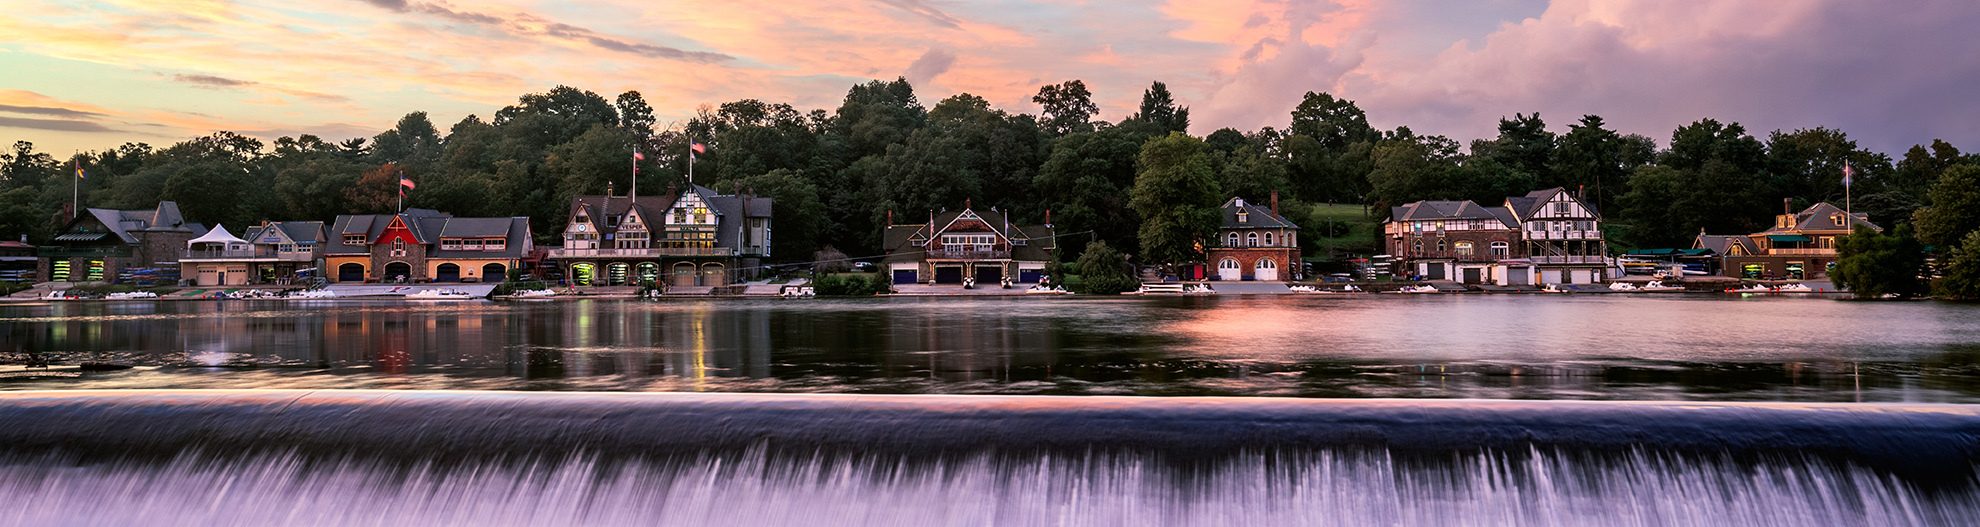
396,458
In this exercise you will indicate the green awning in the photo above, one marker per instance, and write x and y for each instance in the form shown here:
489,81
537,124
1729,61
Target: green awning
1788,238
1653,252
1696,252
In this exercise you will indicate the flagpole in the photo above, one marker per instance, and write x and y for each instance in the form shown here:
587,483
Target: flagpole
75,193
402,192
690,162
635,173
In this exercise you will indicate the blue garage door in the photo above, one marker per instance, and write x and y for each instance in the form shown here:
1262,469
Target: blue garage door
905,276
1030,276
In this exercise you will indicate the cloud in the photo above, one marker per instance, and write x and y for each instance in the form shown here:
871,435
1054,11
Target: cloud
211,81
527,24
55,125
46,110
933,63
925,11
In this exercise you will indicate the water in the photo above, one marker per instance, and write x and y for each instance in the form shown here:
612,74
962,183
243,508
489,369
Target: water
513,459
1536,347
1372,410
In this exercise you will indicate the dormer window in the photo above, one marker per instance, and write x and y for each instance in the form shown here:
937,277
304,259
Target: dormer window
1243,217
1837,219
354,239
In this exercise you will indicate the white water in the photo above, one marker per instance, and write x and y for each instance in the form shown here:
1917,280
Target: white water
1322,489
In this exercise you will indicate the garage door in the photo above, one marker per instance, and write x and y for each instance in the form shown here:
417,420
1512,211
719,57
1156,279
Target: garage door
989,274
948,275
350,272
1030,276
1266,271
1435,272
1228,269
906,276
1473,276
1517,276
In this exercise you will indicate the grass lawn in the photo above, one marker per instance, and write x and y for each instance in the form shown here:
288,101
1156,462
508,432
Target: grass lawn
1340,231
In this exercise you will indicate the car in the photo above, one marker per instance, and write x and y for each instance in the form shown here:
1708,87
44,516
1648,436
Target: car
863,267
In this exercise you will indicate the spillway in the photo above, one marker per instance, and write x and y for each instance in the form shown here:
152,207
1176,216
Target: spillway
279,457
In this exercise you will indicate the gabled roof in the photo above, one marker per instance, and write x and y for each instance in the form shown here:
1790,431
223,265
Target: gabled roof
1446,210
293,231
1723,244
901,241
474,227
1256,217
599,206
422,223
1817,218
513,230
125,224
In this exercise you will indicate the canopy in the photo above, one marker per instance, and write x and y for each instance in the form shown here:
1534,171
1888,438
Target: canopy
218,235
1788,238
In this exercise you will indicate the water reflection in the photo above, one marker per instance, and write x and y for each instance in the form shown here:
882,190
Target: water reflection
1472,346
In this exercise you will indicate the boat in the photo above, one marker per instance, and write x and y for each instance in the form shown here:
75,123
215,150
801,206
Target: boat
1552,288
532,293
1794,288
1303,289
59,295
1753,289
440,294
1624,287
312,294
799,291
1043,289
132,295
1657,286
1419,289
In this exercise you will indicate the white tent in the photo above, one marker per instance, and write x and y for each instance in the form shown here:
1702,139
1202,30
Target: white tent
219,236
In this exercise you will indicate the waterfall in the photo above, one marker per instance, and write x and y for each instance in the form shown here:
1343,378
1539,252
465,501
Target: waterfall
490,459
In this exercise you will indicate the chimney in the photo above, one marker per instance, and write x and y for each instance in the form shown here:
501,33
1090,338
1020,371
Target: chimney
966,204
608,189
1048,217
890,217
1787,206
1275,203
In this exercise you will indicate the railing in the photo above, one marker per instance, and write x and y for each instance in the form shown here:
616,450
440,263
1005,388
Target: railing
970,254
85,252
258,253
650,252
1564,235
1569,259
1802,252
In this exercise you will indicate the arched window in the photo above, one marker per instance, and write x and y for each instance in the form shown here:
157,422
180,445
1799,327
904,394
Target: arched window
1464,248
1267,263
1251,239
1228,263
1442,247
1501,249
1268,238
1418,247
1232,240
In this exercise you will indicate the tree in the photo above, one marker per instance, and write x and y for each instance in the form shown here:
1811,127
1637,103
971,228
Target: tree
1104,271
1160,112
1962,271
1410,168
1955,207
1335,123
377,190
1600,160
1067,107
559,115
877,114
1178,198
1085,182
635,115
795,207
1808,164
1523,145
1875,265
413,142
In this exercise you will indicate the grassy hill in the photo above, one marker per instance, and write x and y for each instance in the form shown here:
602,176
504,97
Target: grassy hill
1337,231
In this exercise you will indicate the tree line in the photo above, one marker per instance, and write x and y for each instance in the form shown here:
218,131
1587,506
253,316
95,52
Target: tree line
1142,185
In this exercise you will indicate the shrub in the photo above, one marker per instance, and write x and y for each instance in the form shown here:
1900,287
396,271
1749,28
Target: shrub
850,285
1103,271
1962,279
1872,265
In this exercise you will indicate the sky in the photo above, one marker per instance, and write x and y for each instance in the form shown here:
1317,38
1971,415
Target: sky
93,74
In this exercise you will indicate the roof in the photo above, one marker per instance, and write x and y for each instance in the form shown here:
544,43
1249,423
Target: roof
219,235
419,221
1817,218
474,227
1724,244
126,224
598,207
1447,210
296,231
514,231
899,241
1256,217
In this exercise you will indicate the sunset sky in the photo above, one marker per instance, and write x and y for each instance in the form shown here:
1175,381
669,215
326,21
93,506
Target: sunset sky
88,75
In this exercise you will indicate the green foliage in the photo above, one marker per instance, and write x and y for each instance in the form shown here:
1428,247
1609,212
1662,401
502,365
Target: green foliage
1068,107
863,284
1955,209
1159,110
1086,180
1962,271
1872,265
795,206
1103,271
1177,197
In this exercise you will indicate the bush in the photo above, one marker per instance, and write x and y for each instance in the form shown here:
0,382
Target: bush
1962,279
1103,271
850,285
1873,265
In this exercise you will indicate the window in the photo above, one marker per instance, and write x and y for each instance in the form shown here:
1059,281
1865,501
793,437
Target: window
1228,263
1441,247
1836,219
1268,238
1251,239
1267,263
1464,248
1562,209
354,239
1501,249
1231,240
1417,248
1243,217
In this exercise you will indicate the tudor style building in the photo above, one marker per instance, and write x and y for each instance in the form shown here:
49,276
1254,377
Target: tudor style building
1562,237
1255,243
1458,240
1800,245
421,245
272,253
119,245
982,246
692,238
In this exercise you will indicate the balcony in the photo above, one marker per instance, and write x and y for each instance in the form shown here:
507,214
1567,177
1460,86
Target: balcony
952,253
650,252
1564,235
257,253
1545,260
63,253
1801,252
